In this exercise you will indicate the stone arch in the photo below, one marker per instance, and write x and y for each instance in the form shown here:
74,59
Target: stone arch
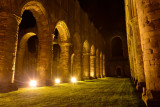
97,64
45,41
93,50
117,47
21,55
92,62
64,35
86,58
86,47
76,41
63,39
101,64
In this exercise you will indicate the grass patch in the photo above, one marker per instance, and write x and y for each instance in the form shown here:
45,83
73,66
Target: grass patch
114,92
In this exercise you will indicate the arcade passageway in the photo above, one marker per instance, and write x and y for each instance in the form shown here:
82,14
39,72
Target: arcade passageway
45,42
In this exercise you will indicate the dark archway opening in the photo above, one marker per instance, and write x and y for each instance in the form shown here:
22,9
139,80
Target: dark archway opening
56,61
30,59
28,20
56,33
27,54
117,47
119,72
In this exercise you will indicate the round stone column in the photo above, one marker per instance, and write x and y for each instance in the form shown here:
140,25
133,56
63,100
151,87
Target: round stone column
97,66
104,70
86,66
92,66
77,65
138,55
65,62
148,18
101,66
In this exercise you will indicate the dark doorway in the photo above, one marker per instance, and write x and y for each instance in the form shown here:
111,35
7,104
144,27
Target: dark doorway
119,72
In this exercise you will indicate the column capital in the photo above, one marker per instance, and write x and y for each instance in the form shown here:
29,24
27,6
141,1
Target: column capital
86,53
18,18
92,56
65,44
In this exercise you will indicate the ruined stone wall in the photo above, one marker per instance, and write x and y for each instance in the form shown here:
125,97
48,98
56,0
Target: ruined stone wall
74,28
115,62
142,21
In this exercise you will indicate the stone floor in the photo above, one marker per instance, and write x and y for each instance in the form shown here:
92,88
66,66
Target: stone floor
106,92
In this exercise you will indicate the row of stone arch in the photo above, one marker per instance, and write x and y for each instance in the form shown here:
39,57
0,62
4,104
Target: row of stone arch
34,52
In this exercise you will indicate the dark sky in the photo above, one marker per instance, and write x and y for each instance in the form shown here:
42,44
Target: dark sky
107,15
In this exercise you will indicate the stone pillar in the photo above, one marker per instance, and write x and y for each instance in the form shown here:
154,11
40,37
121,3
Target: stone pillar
8,49
77,65
44,63
148,18
65,62
104,70
92,66
97,66
86,66
130,40
138,55
101,66
134,57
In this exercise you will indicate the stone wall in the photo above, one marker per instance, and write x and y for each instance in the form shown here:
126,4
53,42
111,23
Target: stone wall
73,27
142,21
117,62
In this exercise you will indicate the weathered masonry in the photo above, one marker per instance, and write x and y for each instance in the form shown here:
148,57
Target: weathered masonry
143,36
46,39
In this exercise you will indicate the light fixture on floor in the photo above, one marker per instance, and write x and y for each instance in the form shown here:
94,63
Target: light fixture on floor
57,81
74,80
33,83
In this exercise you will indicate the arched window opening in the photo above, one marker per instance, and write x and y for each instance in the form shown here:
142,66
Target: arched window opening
117,47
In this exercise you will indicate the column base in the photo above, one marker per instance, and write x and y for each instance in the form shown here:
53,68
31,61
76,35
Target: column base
132,79
86,78
66,80
151,98
49,83
42,83
135,82
140,86
8,88
93,77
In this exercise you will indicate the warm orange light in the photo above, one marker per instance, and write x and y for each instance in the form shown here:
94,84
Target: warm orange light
57,81
74,80
33,83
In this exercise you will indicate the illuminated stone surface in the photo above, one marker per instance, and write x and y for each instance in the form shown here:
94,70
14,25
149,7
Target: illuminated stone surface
29,32
142,21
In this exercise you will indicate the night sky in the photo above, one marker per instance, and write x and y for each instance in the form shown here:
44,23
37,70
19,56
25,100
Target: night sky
107,15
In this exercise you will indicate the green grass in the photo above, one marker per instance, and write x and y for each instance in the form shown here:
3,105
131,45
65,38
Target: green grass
107,92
